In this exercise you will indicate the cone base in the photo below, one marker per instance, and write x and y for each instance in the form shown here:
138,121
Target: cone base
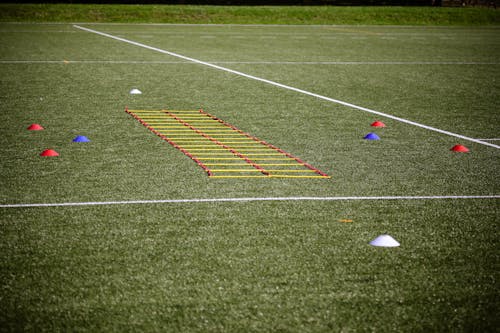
81,138
35,127
371,136
459,149
377,124
49,152
384,241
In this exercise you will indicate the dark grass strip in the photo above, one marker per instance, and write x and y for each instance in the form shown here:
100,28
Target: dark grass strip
248,14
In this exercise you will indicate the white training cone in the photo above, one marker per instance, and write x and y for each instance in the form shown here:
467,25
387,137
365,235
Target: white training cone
384,241
135,92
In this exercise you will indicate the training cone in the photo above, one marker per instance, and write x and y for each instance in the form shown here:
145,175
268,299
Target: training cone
371,136
460,149
49,152
35,127
81,138
384,241
135,92
377,124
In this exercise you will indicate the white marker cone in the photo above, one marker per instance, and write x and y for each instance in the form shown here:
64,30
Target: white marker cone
135,92
384,241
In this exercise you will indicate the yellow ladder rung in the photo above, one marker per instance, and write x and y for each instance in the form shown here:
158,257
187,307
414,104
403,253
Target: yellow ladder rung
186,138
215,154
155,115
220,158
263,176
187,114
178,130
305,170
248,144
168,127
294,176
203,121
220,129
248,148
220,139
272,159
222,134
159,125
145,111
232,142
209,149
281,164
236,170
173,124
189,134
189,118
254,149
186,111
270,154
163,122
151,115
193,141
226,164
208,144
216,132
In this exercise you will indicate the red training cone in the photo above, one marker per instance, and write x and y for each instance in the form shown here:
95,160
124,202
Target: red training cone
49,152
460,149
35,127
377,124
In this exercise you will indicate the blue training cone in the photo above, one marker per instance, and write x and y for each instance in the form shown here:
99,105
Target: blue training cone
371,136
81,138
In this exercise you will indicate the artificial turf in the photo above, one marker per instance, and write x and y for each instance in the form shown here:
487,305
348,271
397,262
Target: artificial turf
259,266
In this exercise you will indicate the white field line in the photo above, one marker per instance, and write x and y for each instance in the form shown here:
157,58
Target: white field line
212,200
289,87
285,26
357,62
91,62
495,139
38,31
251,62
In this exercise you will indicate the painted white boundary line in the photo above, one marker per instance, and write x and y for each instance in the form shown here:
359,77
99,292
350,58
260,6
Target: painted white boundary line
356,62
176,201
251,62
437,27
91,62
288,87
495,139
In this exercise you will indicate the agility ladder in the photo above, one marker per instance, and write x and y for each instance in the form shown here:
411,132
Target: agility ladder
221,149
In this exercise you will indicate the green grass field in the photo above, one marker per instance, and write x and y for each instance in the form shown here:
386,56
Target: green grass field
259,266
304,15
